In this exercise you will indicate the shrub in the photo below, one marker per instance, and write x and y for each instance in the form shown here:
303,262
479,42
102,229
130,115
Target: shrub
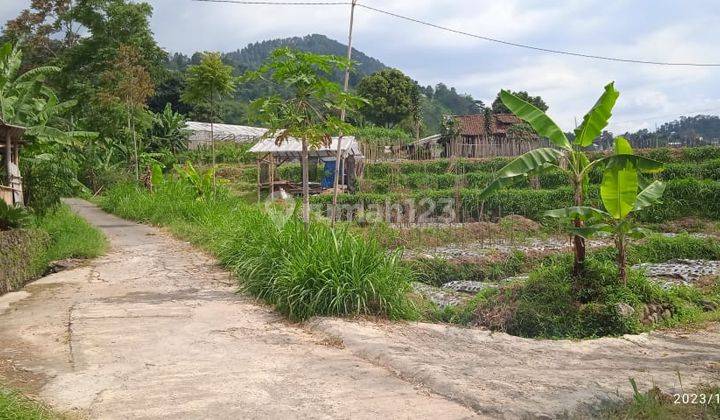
12,217
549,305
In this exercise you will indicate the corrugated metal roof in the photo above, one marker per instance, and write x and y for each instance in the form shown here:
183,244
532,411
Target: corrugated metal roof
293,148
225,130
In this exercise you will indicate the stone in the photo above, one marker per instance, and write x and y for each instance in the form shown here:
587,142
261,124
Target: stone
625,310
666,315
709,305
469,286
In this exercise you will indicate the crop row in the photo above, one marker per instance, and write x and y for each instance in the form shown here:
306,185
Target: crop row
550,179
683,197
696,155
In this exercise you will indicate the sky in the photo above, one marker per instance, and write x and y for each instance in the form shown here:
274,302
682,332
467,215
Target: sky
656,30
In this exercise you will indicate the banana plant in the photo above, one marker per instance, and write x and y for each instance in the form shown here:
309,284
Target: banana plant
563,151
623,193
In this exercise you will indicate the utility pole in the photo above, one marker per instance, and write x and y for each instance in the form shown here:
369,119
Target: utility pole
346,87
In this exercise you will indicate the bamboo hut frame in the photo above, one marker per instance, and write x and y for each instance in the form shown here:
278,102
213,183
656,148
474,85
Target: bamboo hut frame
10,143
271,156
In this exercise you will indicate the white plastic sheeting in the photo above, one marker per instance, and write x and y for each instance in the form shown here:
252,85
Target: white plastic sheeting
292,148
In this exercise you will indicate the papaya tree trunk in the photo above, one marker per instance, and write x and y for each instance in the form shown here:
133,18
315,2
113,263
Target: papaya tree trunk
578,241
305,184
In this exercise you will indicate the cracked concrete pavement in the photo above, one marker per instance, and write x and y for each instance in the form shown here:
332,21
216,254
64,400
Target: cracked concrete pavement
154,329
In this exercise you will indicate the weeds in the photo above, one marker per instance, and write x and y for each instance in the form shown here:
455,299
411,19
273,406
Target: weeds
14,406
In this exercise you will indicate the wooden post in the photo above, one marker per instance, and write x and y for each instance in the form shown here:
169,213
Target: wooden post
346,86
272,177
259,185
8,155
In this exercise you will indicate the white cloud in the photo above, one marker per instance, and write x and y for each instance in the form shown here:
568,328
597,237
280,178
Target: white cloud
658,30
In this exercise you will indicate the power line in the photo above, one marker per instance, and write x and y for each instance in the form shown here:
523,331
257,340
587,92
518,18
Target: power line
532,47
476,36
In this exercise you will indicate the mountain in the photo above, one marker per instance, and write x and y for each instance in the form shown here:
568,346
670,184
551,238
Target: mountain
437,101
253,55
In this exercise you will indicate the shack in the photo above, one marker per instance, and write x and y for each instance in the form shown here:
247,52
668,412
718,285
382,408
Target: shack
11,139
270,156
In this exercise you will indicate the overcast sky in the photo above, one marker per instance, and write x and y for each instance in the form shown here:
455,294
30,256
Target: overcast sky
657,30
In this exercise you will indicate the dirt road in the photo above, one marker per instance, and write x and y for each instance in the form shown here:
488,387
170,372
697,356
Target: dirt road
154,330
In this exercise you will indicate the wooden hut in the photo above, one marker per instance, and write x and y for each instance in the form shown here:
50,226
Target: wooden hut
480,136
11,190
270,156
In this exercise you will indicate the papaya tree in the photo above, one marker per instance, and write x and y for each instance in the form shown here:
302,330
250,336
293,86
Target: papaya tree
622,194
566,156
309,110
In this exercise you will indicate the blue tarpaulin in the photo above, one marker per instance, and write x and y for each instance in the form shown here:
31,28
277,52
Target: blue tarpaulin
329,174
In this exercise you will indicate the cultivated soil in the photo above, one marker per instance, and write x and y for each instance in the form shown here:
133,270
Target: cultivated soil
154,329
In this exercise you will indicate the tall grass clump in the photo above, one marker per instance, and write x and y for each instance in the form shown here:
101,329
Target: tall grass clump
301,271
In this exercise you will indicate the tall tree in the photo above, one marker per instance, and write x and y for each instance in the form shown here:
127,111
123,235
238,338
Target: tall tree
498,107
310,111
130,84
206,84
46,28
107,25
390,96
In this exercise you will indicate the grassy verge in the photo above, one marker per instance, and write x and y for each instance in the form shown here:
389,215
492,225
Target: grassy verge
70,235
15,406
302,272
55,235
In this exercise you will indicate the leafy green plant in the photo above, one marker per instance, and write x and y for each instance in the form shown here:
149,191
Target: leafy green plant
207,83
578,162
169,131
202,183
12,217
620,196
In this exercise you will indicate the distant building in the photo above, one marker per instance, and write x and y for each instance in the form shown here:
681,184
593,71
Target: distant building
475,128
501,135
200,133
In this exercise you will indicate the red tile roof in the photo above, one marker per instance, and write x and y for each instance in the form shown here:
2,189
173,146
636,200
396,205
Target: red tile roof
474,125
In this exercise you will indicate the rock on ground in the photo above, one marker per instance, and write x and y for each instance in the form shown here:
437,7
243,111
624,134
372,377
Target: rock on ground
499,375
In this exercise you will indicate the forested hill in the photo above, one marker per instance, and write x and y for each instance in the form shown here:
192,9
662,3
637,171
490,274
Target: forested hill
253,55
437,101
